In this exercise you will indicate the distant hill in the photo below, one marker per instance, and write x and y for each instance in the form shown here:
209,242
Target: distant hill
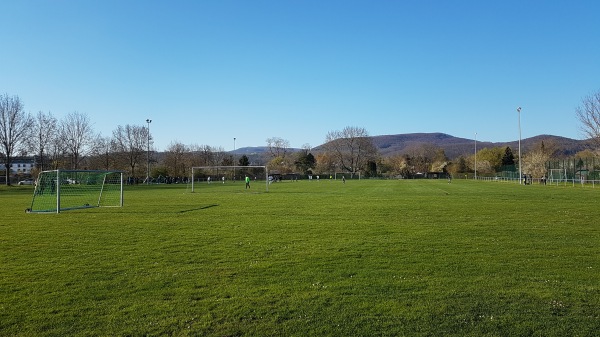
252,150
454,147
398,144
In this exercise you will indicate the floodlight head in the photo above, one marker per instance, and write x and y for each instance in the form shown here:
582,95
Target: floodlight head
148,121
519,109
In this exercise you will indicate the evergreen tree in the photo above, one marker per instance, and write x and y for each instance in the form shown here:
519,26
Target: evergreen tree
244,161
305,161
508,159
371,169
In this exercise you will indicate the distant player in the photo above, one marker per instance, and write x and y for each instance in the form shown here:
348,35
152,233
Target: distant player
247,182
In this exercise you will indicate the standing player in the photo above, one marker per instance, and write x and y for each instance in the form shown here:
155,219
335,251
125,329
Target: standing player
247,182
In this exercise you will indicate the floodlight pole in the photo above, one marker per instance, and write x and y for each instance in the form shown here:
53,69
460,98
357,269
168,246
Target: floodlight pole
148,158
520,174
233,155
475,155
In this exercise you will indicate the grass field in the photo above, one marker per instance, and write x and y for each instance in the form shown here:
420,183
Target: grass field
365,258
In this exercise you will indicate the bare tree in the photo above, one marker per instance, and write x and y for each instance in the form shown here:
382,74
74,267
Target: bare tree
220,157
352,148
77,137
56,152
175,159
589,116
44,130
130,143
278,146
206,155
534,162
99,158
105,154
200,155
15,128
424,157
195,157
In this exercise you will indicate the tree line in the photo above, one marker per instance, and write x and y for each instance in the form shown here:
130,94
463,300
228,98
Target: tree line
72,143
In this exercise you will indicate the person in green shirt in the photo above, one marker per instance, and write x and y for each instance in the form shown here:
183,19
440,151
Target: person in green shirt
247,182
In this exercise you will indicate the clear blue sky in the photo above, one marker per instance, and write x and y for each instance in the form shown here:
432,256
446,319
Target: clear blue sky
208,71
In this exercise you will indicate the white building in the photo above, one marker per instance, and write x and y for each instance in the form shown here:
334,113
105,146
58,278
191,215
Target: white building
20,165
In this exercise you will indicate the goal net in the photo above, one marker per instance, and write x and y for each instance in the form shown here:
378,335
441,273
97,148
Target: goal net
557,176
61,190
227,175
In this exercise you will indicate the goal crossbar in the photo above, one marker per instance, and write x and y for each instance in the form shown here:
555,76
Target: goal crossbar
198,168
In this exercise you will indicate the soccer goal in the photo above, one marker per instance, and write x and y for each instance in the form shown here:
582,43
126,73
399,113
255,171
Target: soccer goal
557,176
60,190
347,175
229,175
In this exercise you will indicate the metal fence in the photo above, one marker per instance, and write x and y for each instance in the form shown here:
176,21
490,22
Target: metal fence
540,181
584,172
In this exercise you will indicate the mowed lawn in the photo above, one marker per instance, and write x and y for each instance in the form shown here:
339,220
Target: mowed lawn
307,258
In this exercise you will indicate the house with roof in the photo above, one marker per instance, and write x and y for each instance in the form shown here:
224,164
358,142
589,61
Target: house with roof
19,166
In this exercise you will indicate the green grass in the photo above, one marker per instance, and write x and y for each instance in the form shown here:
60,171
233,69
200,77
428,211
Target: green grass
365,258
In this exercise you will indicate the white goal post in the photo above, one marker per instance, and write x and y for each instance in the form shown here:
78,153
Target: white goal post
60,190
557,176
223,174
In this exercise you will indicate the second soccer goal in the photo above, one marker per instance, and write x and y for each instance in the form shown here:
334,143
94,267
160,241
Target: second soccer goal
228,175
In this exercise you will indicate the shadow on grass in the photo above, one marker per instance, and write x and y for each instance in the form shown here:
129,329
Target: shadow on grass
198,209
